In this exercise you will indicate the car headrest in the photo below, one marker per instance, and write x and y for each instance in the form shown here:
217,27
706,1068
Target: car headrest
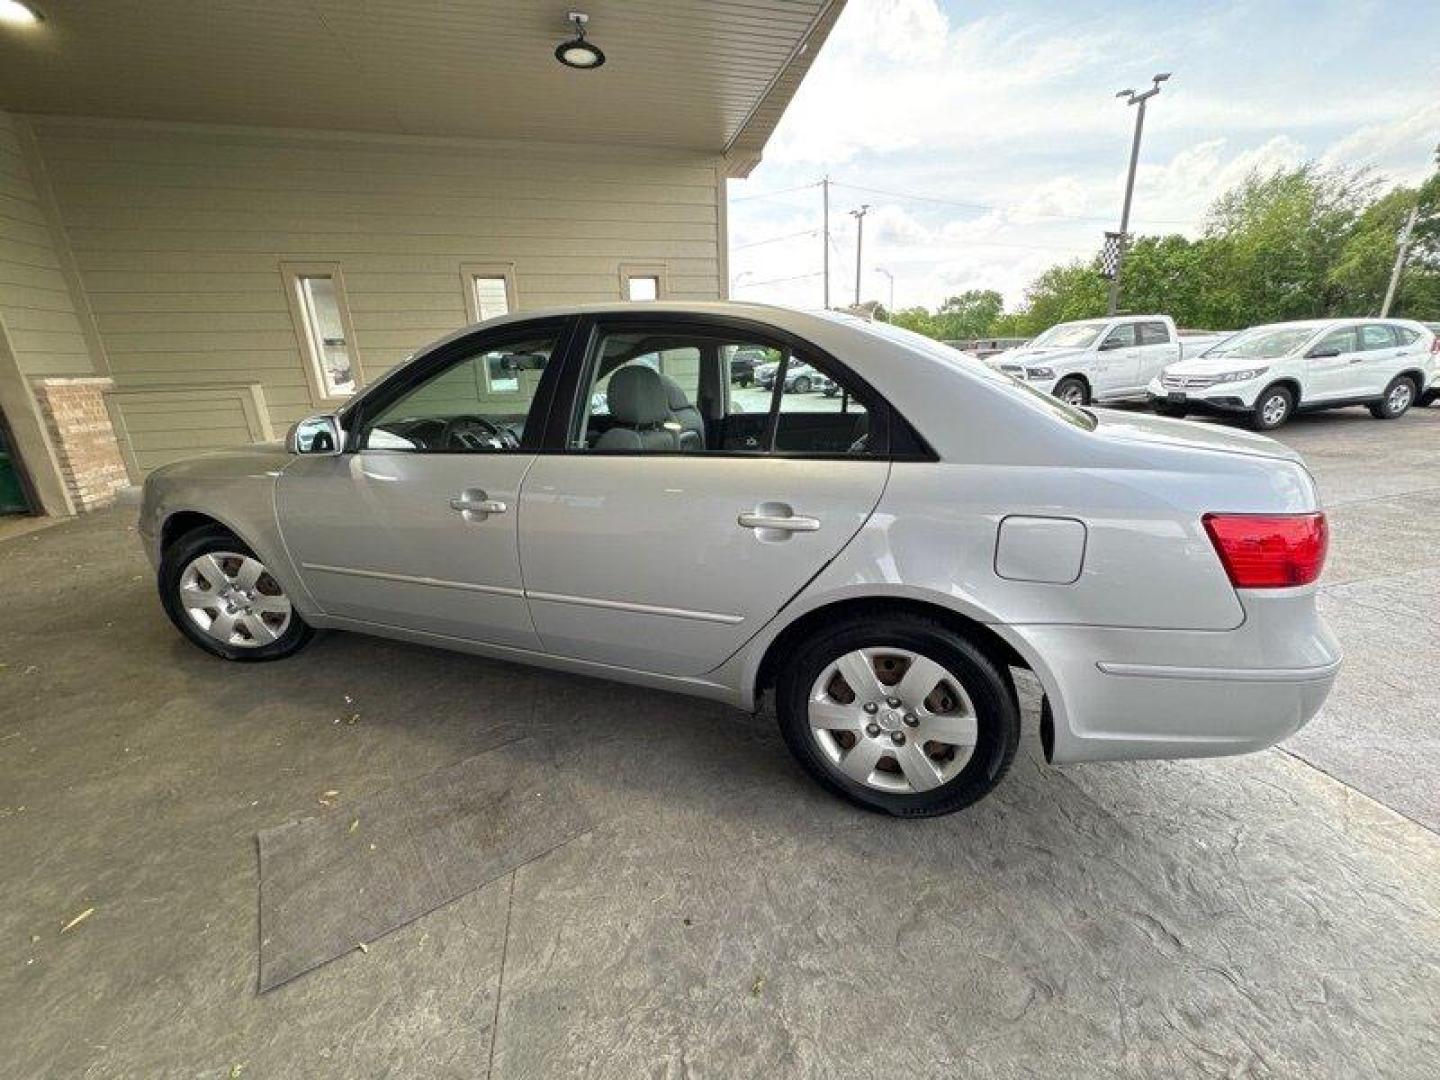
637,396
675,394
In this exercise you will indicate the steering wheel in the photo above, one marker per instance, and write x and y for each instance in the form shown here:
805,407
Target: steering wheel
469,433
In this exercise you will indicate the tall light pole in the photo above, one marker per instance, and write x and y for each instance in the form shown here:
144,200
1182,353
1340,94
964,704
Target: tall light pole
825,239
859,216
1132,99
891,277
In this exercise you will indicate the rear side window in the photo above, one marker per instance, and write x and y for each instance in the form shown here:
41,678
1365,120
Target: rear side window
1406,335
1376,336
668,390
1154,333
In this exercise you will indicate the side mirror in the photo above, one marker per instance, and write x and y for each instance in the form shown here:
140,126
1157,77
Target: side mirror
1321,354
319,436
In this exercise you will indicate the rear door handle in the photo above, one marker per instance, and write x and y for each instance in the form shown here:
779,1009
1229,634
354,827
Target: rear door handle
790,523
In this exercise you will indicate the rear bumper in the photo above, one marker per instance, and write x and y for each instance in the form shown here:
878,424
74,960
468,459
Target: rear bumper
1121,694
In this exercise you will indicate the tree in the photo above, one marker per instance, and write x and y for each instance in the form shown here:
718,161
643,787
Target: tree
1307,242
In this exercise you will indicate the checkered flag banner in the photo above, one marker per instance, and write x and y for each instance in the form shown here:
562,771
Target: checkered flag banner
1111,252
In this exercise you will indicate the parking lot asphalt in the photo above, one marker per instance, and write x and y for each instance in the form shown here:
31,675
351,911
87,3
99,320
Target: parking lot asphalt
1272,915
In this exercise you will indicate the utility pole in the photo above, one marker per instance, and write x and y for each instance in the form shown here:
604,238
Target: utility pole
825,239
1133,99
891,278
859,216
1400,254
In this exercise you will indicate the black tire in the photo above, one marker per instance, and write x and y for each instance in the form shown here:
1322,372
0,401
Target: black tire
177,557
1268,414
1399,396
803,385
1174,412
1072,388
1427,399
988,686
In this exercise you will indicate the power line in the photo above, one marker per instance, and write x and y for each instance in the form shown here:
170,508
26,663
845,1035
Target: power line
911,197
779,280
774,239
776,194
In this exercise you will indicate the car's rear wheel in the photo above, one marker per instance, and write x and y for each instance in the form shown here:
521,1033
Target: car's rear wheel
1399,396
225,600
1272,408
1072,391
898,714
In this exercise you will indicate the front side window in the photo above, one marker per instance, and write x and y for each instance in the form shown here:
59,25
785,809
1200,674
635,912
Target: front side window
1122,337
668,393
1340,341
479,402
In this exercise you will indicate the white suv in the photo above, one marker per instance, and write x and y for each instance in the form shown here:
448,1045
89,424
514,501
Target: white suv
1267,373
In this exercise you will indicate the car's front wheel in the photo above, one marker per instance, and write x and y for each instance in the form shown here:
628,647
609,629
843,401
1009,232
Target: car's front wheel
1174,412
898,714
225,600
802,384
1072,391
1272,408
1399,396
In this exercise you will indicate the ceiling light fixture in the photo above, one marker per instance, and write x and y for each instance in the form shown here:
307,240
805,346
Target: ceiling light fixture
14,13
577,52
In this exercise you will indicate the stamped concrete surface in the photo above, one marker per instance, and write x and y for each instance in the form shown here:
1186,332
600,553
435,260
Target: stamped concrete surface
1276,915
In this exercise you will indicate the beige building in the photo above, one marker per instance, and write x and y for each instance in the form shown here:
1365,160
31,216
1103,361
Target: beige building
217,218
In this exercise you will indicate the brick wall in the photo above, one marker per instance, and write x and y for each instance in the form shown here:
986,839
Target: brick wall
89,456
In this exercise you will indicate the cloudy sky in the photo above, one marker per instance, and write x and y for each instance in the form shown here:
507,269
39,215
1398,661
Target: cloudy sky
986,137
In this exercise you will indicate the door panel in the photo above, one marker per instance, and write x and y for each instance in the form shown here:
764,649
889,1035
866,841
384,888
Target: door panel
641,561
1331,376
376,538
1380,359
1117,367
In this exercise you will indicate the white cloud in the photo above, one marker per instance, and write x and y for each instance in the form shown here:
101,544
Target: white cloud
1008,122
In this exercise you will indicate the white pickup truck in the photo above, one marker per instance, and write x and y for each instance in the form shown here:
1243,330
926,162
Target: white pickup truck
1101,360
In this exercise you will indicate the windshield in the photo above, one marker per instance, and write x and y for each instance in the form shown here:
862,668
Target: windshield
1263,343
1069,335
973,364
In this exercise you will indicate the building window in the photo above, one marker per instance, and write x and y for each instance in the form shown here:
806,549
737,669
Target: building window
322,322
489,290
644,288
642,282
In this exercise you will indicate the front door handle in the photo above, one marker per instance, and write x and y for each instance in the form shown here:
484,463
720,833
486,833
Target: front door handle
475,505
780,523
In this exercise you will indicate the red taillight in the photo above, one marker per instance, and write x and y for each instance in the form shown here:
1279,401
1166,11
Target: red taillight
1435,345
1269,551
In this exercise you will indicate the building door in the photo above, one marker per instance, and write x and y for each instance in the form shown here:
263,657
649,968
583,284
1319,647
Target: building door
13,499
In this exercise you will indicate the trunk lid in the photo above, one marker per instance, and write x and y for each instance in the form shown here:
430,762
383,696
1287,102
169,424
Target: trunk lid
1140,429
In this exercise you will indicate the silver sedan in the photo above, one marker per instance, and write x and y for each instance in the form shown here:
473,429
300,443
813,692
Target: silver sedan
585,490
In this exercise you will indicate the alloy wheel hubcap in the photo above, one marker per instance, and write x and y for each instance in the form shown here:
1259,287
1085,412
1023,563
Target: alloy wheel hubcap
1073,395
1400,397
892,719
234,599
1274,410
